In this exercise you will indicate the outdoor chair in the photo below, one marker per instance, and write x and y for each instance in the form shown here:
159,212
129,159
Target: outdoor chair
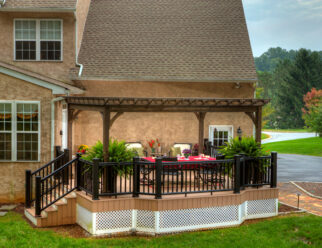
210,174
138,148
172,170
174,151
145,170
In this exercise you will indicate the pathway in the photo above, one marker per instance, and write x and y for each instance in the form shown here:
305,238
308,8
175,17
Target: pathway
288,195
277,136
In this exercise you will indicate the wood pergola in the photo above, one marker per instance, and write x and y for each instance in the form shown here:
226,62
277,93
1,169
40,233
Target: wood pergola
199,106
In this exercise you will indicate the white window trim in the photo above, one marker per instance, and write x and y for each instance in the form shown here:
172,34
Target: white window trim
14,130
221,128
38,39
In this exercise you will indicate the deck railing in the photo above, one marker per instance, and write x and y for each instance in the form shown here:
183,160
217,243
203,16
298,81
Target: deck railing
169,178
61,158
140,177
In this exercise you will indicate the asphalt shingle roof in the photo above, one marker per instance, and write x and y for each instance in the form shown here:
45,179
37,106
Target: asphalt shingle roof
40,4
167,40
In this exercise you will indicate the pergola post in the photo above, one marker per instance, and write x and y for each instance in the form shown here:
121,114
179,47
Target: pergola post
106,132
70,132
258,125
201,118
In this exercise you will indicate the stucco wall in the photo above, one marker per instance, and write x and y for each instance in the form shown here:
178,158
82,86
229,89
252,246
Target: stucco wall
53,69
12,176
168,127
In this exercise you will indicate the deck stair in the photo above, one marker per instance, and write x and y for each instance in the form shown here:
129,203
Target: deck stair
62,212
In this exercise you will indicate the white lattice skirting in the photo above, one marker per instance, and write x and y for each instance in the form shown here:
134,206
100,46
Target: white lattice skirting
155,222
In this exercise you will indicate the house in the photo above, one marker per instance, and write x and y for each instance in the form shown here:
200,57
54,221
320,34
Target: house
149,68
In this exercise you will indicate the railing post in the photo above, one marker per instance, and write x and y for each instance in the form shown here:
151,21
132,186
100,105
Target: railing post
78,172
28,189
57,151
242,171
66,156
95,179
65,171
273,169
237,174
136,177
38,196
158,164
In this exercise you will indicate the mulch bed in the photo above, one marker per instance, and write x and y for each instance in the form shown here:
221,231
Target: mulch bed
313,188
284,208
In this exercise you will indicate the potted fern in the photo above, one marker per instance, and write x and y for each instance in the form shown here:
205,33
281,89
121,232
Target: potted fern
251,150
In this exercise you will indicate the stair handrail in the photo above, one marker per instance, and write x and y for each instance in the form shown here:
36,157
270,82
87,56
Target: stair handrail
61,159
56,185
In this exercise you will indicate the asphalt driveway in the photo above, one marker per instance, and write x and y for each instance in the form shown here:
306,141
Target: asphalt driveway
300,168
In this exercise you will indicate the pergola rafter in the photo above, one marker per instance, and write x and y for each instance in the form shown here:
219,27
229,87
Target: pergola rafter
199,106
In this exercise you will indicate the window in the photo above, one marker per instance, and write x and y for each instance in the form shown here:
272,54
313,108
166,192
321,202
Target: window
5,131
219,135
38,40
19,131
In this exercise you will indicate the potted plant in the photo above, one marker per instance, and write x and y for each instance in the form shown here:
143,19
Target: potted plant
186,153
82,149
152,145
250,150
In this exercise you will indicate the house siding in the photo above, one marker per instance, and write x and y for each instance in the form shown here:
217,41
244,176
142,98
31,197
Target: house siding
12,176
168,127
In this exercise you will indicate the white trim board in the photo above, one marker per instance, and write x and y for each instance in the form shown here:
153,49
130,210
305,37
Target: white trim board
54,88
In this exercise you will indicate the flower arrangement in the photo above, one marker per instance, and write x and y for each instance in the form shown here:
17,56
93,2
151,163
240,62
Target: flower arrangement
186,152
82,149
152,143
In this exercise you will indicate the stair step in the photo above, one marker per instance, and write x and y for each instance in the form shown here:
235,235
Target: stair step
62,201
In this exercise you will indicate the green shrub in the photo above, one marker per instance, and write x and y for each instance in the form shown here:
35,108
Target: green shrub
118,152
247,146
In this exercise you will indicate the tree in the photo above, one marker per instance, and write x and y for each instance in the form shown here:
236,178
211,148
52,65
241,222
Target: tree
293,80
312,111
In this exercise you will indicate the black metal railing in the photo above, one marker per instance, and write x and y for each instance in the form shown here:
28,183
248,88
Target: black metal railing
56,185
158,178
47,169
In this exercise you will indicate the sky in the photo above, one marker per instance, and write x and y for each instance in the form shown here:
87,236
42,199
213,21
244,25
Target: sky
290,24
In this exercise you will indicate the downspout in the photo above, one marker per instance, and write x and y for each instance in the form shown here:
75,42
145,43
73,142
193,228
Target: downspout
76,44
53,101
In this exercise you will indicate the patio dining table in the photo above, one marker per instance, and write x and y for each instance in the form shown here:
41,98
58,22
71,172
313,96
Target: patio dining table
187,166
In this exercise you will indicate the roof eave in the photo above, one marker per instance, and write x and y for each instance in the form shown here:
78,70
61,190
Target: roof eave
148,79
56,10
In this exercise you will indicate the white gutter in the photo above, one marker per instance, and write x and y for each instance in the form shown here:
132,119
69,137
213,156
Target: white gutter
76,50
53,101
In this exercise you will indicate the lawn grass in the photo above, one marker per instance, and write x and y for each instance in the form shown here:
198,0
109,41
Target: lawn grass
302,230
288,130
265,136
309,146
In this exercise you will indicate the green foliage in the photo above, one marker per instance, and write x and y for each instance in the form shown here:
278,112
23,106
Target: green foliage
118,152
247,146
95,151
270,59
285,79
309,146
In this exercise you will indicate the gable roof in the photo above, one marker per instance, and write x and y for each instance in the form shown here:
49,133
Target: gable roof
39,5
56,86
167,40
